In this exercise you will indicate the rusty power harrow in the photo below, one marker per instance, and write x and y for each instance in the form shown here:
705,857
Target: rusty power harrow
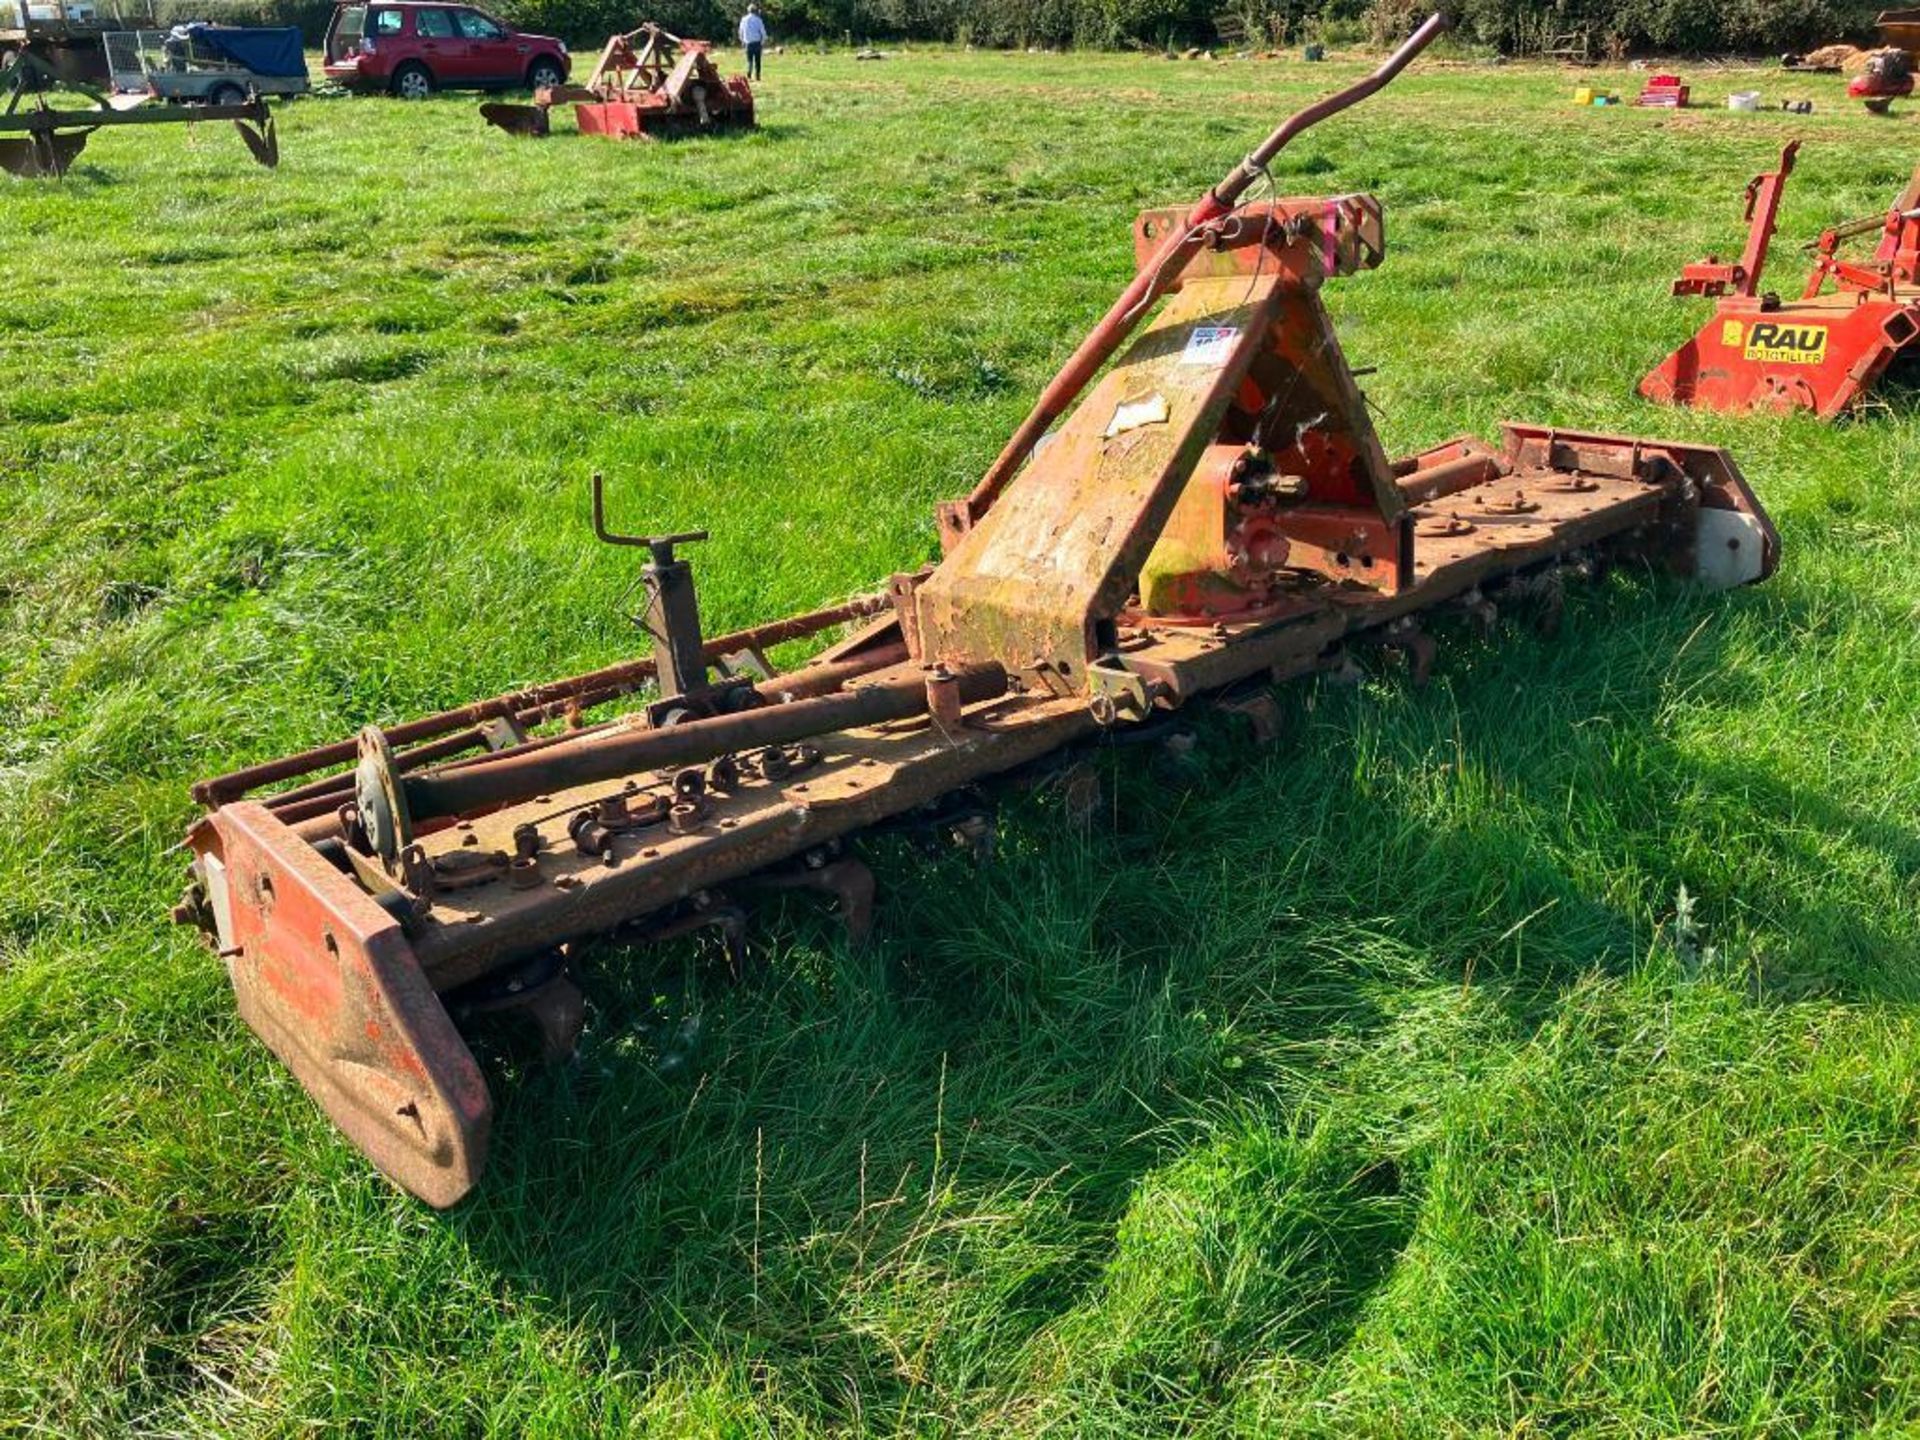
40,139
647,83
1214,509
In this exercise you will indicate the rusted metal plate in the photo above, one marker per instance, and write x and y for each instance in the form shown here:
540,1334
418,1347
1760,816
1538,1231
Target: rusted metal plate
328,980
1295,479
1063,545
1709,470
861,777
1333,236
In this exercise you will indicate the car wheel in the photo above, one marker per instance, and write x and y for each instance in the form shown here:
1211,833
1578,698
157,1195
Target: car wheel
413,82
542,74
228,94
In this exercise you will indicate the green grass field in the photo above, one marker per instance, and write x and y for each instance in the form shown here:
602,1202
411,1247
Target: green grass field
1381,1083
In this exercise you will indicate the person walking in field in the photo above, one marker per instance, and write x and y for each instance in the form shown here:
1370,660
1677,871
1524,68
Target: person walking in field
753,35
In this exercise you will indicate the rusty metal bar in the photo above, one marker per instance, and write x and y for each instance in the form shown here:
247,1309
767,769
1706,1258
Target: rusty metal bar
1227,194
1450,477
614,680
324,796
47,121
509,779
1765,207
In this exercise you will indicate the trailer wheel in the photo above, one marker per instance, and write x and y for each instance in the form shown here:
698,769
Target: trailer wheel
227,93
413,82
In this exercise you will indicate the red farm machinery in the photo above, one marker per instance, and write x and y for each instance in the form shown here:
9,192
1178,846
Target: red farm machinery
1197,508
647,84
1826,350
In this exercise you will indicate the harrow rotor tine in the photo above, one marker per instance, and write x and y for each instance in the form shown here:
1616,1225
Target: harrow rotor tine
847,881
264,142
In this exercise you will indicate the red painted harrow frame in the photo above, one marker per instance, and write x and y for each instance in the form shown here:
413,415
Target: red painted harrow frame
1197,509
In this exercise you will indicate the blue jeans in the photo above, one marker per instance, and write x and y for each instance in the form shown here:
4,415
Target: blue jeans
754,47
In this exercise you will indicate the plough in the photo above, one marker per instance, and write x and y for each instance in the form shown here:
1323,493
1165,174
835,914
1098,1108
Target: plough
39,138
647,83
1197,508
1825,351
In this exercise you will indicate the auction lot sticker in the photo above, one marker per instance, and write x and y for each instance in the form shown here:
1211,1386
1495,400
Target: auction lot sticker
1209,345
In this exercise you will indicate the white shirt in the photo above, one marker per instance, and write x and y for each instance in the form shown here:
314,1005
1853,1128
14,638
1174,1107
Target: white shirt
753,30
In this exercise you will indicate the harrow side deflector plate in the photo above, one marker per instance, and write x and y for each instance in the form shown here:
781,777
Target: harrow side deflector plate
327,978
1720,488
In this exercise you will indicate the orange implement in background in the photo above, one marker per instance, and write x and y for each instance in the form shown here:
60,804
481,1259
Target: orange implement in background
646,84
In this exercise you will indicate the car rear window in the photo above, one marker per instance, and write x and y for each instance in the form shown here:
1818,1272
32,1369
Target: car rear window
343,36
387,22
432,23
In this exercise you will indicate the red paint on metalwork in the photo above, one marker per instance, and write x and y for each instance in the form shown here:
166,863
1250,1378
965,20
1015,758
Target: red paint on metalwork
1196,231
651,82
1823,352
326,978
1713,277
1215,510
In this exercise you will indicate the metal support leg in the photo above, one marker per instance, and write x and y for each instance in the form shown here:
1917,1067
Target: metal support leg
847,880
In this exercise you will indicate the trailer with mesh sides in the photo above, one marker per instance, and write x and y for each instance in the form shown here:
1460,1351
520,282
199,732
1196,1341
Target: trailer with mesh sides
207,64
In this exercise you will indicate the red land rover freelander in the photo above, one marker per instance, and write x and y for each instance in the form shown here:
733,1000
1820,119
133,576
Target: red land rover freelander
412,49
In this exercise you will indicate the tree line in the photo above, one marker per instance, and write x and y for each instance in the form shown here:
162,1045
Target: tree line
1512,27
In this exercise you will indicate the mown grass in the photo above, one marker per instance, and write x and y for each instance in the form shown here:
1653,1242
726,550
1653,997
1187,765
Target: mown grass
1380,1083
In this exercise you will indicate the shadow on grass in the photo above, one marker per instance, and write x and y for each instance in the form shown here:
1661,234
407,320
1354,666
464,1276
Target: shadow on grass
761,133
1076,1104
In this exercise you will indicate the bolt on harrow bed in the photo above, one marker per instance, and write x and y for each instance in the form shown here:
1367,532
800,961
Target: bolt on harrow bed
1213,508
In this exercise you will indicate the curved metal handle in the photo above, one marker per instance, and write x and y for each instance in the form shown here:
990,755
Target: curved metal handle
660,545
1242,175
